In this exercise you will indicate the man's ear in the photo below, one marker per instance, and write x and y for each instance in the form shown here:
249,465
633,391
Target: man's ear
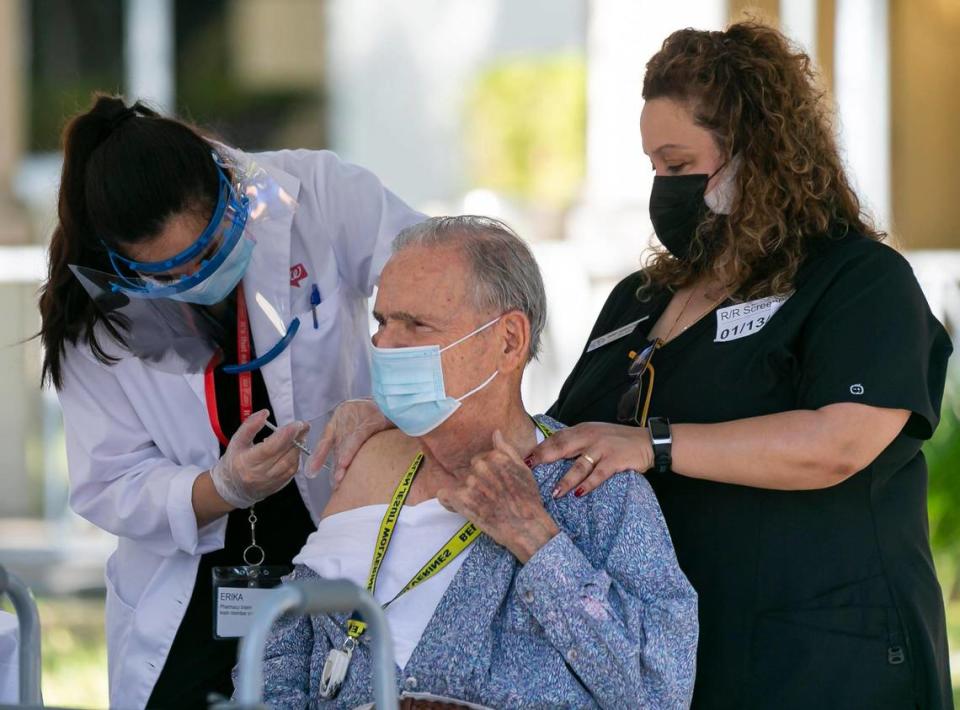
515,330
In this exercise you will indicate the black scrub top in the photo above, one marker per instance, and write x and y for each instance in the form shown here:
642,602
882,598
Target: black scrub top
824,598
198,664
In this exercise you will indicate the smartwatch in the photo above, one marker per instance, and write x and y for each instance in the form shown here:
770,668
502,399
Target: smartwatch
660,437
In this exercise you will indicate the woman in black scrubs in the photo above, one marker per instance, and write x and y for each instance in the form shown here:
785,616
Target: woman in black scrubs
774,370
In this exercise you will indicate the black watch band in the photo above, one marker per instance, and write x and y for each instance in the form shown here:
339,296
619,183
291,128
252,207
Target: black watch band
660,437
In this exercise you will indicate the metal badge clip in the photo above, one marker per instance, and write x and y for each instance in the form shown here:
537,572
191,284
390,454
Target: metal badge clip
335,669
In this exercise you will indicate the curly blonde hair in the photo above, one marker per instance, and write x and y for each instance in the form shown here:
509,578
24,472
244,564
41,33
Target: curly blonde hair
759,97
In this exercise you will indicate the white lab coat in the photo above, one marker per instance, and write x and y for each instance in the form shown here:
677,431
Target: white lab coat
137,437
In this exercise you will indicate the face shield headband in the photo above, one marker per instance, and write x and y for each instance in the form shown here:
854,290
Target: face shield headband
231,207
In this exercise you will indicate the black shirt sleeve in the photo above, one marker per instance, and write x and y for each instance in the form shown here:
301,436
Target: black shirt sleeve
871,339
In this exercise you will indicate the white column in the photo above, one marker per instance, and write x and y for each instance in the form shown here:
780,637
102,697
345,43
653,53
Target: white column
149,52
862,87
798,20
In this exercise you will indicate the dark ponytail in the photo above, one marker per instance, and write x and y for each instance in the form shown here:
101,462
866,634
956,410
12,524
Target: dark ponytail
126,171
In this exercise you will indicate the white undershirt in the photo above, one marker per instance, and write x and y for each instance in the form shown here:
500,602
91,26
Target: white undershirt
342,546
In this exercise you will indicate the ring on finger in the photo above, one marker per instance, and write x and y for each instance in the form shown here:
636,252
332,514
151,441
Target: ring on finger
590,460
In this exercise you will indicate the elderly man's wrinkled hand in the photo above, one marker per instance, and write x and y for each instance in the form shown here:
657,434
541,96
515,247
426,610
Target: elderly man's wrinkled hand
500,496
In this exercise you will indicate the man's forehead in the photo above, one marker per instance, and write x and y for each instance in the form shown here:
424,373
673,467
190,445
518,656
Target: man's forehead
423,280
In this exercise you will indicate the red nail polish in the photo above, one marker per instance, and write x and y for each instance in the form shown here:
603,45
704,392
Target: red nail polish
529,461
578,492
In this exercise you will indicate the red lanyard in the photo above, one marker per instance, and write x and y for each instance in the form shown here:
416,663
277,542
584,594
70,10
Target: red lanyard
244,379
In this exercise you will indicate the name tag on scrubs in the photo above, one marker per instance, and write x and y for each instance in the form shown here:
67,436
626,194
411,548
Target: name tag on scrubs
744,319
614,335
238,592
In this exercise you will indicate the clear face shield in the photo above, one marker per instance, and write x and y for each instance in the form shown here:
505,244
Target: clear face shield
184,274
161,309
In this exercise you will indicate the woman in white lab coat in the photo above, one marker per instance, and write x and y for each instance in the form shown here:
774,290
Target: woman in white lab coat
238,241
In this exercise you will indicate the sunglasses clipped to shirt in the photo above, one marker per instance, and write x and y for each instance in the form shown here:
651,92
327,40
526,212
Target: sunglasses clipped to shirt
634,405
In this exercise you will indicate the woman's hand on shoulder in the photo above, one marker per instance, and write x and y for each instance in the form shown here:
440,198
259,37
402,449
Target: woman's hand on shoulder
374,471
600,450
352,424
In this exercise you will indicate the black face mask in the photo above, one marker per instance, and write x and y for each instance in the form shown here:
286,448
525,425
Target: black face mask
677,208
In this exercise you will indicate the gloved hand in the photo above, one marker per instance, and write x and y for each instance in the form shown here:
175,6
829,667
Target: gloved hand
353,422
248,472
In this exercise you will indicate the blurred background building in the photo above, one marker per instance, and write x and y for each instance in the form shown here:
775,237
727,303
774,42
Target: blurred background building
523,109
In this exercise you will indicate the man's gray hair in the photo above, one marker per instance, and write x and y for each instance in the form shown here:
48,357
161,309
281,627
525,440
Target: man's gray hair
506,276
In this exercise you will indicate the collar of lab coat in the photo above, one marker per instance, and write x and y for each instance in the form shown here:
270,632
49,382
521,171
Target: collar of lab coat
269,274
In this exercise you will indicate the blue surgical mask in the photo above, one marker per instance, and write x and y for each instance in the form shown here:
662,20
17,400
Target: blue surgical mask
218,285
408,385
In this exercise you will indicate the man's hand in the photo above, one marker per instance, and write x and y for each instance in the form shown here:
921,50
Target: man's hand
499,494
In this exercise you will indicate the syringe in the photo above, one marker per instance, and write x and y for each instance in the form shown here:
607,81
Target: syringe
296,443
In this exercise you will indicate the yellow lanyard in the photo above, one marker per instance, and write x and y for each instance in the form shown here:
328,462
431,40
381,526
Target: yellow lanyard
451,549
459,542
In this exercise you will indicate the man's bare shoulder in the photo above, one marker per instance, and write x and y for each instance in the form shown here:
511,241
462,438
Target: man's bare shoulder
374,472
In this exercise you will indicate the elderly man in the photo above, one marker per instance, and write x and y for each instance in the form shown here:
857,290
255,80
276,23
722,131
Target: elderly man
497,594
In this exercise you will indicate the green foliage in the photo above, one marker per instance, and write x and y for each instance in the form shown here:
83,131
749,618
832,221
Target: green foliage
943,498
526,128
74,651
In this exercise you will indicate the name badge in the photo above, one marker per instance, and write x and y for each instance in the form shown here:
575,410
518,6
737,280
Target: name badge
238,592
744,319
235,609
614,335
